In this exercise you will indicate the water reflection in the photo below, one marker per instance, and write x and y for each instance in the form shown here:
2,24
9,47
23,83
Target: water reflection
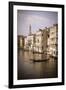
27,69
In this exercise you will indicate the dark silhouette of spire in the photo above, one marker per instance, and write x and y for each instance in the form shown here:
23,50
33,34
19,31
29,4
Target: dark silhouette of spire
30,29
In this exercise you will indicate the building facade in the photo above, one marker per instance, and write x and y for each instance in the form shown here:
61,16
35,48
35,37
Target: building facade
29,42
43,41
53,40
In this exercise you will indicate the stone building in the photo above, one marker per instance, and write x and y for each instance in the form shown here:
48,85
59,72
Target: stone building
29,42
53,40
41,41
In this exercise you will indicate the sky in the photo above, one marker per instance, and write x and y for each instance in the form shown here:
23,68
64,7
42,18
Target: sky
37,19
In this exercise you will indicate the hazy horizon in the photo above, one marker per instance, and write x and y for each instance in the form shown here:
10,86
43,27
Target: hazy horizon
37,19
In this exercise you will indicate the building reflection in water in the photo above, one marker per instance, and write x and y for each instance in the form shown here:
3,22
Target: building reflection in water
27,69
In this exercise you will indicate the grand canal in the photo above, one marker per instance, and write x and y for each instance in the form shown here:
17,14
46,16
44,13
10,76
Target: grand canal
27,69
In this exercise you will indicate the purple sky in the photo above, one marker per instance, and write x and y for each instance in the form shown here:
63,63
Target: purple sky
37,19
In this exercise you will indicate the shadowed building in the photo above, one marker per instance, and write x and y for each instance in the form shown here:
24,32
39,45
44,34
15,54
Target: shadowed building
21,41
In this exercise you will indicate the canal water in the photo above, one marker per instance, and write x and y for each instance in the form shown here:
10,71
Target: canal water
28,69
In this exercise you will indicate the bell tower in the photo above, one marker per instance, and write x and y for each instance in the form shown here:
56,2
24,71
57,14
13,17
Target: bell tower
30,29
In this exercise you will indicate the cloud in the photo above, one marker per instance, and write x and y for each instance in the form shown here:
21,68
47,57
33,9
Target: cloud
36,19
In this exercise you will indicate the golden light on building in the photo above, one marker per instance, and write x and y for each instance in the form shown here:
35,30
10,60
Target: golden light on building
43,41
